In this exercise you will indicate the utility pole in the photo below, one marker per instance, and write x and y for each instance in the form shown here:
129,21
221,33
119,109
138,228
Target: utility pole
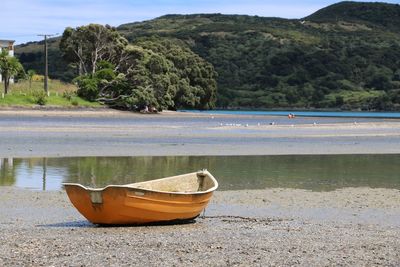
46,67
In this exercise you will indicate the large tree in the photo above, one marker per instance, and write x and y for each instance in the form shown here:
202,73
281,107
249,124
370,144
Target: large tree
85,46
159,72
196,85
9,66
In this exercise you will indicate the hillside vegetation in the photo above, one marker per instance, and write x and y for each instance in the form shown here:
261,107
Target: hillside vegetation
374,14
343,56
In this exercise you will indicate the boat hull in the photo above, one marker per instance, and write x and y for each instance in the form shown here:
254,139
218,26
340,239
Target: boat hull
123,205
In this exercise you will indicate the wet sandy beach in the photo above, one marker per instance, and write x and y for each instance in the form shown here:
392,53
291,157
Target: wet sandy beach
114,133
271,227
264,227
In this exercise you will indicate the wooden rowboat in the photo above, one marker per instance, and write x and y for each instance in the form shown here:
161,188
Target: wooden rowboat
176,198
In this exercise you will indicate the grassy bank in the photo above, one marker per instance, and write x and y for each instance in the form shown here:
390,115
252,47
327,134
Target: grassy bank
24,94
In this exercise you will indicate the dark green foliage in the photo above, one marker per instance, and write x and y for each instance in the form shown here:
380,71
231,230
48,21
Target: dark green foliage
88,87
375,14
176,76
278,63
187,79
159,73
31,56
344,56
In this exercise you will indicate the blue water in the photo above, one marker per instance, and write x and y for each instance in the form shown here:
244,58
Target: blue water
342,114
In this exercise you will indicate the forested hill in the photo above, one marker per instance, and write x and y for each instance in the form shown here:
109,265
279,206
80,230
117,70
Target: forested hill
343,56
375,14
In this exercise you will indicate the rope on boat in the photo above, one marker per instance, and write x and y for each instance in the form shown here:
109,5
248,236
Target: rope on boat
203,215
248,219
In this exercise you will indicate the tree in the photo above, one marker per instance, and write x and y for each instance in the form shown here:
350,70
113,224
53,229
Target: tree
9,66
192,79
85,46
156,72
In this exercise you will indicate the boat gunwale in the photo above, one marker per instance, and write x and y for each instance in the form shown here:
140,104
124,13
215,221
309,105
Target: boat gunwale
131,186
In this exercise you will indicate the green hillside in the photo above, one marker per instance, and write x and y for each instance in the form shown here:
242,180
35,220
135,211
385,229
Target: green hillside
374,14
31,56
343,56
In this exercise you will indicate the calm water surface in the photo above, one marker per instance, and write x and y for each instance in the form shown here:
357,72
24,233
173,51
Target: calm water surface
314,172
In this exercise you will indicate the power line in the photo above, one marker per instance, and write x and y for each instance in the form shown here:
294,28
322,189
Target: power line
17,35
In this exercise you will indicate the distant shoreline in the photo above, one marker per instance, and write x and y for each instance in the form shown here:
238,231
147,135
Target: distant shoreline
302,113
74,111
109,112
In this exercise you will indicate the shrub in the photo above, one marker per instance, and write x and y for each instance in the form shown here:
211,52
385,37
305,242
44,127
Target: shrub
88,87
68,95
74,102
39,97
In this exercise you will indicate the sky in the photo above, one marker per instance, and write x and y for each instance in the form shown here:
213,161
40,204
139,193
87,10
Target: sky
24,20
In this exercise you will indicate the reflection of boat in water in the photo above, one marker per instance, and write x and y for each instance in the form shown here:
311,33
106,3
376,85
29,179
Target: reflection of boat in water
181,197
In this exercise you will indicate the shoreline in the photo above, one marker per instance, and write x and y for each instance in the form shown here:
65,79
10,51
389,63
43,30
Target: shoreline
59,111
106,111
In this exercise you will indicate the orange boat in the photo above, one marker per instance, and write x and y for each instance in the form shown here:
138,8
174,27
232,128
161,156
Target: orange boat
176,198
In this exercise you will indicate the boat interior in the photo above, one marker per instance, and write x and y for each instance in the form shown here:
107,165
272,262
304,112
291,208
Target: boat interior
187,183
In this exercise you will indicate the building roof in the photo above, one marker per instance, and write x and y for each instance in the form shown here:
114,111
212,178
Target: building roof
6,43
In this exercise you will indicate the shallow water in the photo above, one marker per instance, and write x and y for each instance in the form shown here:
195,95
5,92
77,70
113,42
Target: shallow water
313,172
337,114
184,121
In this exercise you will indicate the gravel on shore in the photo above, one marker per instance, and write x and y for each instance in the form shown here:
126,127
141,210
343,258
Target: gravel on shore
265,227
271,227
